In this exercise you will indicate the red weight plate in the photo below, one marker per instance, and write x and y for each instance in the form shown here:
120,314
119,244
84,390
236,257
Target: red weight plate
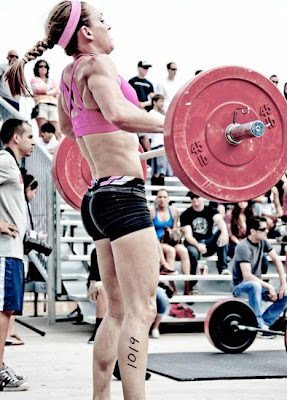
71,172
195,141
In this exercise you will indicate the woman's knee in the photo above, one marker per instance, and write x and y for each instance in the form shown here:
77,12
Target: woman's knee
169,251
142,309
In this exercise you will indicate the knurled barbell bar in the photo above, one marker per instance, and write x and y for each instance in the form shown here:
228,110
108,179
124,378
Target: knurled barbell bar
231,326
224,137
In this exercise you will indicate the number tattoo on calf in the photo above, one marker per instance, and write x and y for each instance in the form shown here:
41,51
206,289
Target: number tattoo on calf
132,357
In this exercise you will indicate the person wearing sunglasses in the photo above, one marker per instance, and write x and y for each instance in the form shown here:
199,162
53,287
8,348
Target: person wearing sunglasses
5,92
45,93
170,85
247,270
274,79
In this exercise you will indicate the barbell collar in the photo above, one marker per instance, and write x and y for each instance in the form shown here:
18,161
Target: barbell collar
235,133
152,154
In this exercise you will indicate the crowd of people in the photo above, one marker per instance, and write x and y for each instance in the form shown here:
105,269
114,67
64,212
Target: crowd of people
108,117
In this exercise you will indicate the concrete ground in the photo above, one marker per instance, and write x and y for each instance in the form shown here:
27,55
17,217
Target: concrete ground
58,366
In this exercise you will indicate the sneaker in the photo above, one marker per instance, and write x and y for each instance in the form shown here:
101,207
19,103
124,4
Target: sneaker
265,335
9,381
165,271
20,377
155,334
226,272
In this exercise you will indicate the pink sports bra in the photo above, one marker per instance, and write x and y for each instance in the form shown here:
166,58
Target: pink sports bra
88,121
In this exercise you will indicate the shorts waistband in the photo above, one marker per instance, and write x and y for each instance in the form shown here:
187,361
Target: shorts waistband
116,180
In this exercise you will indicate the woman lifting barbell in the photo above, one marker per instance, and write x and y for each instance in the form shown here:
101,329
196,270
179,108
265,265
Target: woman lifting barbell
99,109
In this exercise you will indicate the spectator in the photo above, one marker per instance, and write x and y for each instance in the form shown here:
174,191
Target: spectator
30,189
274,79
203,241
236,221
247,275
145,91
164,216
5,92
47,140
17,138
160,165
45,93
268,206
169,86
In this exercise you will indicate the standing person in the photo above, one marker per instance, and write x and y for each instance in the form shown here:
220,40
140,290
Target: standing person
274,78
169,86
5,92
247,279
99,109
145,91
160,165
203,241
45,93
17,139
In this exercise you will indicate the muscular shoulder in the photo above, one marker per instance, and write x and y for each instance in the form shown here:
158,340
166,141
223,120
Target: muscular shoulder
99,65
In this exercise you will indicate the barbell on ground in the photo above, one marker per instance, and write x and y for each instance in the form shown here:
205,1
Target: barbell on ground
224,137
231,326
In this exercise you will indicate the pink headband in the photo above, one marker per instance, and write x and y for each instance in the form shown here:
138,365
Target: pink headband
71,25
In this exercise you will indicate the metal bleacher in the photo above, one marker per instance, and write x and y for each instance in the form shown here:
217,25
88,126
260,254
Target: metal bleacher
76,248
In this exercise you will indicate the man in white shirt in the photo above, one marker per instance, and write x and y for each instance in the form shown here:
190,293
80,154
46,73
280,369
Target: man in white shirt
169,86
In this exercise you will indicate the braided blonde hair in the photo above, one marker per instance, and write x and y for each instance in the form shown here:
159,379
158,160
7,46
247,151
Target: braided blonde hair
55,25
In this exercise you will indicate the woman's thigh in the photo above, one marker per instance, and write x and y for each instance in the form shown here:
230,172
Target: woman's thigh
137,266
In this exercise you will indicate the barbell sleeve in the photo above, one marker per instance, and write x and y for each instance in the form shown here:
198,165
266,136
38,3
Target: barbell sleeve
152,154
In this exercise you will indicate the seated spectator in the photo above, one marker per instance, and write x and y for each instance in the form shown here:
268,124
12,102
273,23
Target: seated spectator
247,279
236,221
268,206
201,239
47,140
165,216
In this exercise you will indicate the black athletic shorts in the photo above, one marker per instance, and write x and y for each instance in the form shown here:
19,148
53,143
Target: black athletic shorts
117,207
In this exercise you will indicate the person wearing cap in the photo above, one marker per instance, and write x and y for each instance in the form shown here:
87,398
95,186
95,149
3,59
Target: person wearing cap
99,109
203,239
142,86
145,91
5,92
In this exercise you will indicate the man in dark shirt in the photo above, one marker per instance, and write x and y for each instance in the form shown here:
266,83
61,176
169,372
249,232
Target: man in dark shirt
145,92
142,86
203,241
247,264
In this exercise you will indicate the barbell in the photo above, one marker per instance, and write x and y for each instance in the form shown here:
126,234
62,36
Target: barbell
231,326
224,137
